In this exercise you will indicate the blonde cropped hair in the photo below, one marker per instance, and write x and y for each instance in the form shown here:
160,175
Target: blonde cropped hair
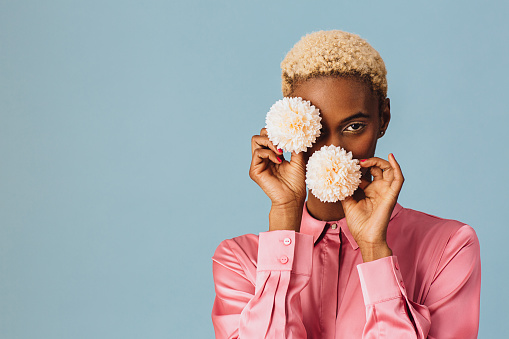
333,53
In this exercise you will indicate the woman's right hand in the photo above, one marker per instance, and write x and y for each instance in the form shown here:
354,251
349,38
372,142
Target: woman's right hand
284,182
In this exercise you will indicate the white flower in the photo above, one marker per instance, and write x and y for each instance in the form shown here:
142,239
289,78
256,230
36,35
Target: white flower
293,124
332,174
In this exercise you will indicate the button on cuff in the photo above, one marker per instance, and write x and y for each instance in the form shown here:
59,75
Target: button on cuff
299,252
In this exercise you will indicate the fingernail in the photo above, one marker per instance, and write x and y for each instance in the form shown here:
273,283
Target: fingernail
279,159
279,150
393,156
362,160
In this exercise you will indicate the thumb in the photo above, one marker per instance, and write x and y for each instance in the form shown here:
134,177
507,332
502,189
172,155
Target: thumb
298,158
348,203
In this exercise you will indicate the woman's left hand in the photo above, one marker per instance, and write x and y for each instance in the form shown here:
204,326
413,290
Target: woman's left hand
368,217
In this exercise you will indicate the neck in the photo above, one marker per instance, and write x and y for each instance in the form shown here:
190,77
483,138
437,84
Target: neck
333,211
326,211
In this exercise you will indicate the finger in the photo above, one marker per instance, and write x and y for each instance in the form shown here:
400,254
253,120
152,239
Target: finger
298,158
348,203
260,154
296,155
364,183
380,169
260,141
398,175
265,133
376,172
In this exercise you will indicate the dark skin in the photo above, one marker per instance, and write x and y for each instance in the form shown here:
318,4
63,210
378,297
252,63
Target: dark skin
337,100
368,211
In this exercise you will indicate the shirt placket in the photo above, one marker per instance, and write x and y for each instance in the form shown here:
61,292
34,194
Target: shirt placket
330,274
349,292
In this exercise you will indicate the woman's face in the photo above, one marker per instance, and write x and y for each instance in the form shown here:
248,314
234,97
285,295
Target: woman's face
350,114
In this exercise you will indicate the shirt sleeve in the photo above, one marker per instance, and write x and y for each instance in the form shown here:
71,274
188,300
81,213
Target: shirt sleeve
266,305
451,308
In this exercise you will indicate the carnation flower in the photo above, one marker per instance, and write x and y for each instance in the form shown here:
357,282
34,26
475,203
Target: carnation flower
332,174
293,124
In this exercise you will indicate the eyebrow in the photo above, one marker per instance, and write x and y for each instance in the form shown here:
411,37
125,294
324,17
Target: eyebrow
356,116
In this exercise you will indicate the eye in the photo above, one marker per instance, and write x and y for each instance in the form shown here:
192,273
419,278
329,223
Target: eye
357,126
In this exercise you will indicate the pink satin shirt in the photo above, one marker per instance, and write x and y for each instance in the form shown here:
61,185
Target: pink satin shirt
314,284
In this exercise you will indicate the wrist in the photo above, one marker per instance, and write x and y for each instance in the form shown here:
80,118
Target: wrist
291,205
374,251
285,218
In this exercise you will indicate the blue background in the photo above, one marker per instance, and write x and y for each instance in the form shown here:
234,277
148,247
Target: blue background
125,146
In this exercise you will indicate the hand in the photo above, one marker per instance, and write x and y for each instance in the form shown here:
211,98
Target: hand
368,217
284,182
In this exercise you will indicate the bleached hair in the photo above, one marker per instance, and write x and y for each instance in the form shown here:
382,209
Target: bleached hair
333,53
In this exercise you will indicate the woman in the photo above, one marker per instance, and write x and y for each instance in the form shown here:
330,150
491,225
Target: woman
364,267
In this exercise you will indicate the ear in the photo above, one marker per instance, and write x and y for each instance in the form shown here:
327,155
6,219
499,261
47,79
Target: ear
385,114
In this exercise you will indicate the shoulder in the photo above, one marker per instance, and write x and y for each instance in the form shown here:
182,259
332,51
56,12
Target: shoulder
428,235
423,225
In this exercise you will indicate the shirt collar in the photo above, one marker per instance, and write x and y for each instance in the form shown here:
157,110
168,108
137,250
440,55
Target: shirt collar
315,227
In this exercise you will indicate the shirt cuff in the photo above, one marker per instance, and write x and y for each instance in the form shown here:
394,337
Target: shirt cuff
284,250
381,280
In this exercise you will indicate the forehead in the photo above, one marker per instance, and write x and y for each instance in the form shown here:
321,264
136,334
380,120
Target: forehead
338,97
